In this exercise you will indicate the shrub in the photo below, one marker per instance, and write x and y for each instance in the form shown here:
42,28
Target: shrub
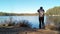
53,27
25,23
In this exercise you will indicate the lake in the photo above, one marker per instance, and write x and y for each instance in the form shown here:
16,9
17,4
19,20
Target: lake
32,19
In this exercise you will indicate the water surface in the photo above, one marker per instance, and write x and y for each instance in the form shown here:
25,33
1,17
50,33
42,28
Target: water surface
32,19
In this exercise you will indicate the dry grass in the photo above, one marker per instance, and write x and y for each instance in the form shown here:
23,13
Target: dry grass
40,31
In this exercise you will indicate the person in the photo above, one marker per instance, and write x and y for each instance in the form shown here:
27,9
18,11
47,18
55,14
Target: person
41,18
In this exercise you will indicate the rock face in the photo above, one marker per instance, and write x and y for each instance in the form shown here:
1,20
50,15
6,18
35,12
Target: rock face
39,32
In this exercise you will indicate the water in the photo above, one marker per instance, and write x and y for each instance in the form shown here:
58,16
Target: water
32,19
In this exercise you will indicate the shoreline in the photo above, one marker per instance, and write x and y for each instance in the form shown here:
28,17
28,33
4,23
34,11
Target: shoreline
27,31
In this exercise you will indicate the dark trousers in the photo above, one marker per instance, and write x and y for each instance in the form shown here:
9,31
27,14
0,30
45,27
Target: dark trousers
41,23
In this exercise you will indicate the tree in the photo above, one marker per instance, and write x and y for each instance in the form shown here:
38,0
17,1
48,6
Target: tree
53,11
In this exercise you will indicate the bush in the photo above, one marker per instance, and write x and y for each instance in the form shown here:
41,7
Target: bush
25,23
3,24
11,24
53,27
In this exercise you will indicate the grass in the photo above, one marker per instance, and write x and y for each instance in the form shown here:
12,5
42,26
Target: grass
23,23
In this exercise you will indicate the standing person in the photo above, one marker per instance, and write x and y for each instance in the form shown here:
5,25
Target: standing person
41,18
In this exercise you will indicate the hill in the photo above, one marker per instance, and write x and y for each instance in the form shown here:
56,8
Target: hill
53,11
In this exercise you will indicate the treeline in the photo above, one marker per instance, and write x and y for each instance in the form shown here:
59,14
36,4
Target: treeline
53,11
6,14
15,14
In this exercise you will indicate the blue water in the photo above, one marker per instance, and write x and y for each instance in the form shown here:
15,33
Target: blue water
32,19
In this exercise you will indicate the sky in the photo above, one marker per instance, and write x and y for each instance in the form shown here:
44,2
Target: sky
26,6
